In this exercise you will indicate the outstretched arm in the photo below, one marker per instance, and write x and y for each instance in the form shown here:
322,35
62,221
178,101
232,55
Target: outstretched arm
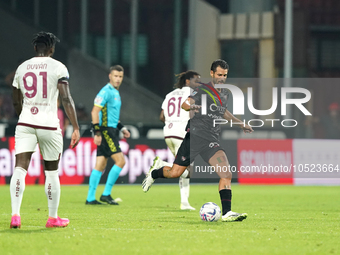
229,117
70,110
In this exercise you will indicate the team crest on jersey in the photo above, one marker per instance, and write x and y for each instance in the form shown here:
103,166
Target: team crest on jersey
183,158
214,145
98,100
34,110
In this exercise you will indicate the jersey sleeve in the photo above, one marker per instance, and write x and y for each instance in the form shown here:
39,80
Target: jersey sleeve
63,72
15,83
101,99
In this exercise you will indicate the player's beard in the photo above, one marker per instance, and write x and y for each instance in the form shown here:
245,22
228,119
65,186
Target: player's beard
219,81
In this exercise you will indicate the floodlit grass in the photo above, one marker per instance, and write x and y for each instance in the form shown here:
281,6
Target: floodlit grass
281,220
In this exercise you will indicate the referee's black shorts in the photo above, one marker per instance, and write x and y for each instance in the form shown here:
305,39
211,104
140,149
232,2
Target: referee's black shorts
110,142
192,146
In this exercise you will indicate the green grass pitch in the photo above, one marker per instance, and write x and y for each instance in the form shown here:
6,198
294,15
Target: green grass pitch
281,220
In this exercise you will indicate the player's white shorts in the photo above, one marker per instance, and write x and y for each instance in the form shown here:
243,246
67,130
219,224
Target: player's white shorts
173,144
50,141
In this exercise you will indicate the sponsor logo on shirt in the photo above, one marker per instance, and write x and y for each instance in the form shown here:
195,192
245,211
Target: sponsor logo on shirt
214,145
34,110
98,100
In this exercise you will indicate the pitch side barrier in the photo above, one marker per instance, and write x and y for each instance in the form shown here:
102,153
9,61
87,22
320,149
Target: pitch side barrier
76,164
257,161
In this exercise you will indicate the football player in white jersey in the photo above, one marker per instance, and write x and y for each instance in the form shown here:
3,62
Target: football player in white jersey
36,87
175,120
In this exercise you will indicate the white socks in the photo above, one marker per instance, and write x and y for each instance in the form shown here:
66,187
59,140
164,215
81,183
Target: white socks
184,189
185,174
183,184
17,187
52,190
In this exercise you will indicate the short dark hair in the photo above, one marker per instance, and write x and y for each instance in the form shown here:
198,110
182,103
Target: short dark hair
219,63
182,77
44,40
118,68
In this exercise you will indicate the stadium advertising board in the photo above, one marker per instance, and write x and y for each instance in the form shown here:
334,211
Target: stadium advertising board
297,161
316,162
265,161
76,164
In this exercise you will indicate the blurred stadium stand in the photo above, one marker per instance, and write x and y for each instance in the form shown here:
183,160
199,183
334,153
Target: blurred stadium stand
249,34
87,75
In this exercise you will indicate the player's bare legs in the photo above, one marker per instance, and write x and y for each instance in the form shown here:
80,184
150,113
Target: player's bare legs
173,172
119,159
101,163
159,171
23,160
221,165
220,161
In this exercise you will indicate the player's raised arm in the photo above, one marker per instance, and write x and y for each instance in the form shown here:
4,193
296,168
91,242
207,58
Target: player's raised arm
230,117
70,109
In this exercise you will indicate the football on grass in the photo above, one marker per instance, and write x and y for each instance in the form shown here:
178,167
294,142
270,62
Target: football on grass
210,212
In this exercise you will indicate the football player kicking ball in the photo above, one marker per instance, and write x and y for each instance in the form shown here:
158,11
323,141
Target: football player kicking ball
36,86
202,139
